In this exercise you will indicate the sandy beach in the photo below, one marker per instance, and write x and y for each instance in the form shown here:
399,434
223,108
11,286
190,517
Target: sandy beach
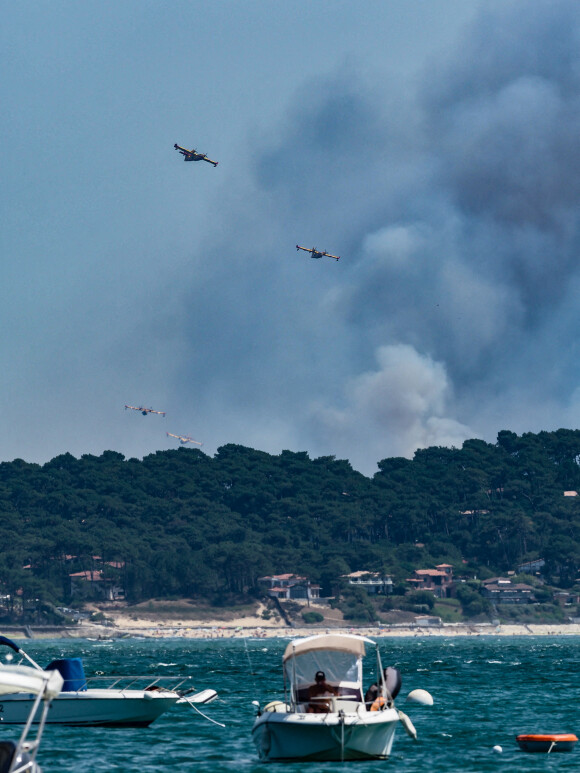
146,622
254,627
245,627
178,620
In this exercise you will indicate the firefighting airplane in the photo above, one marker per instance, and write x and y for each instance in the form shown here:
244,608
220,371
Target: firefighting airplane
193,155
184,439
314,253
143,410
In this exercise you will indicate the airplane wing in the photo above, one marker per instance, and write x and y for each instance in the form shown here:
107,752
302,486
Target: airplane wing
184,151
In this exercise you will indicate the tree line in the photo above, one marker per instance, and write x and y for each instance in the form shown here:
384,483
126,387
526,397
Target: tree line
180,523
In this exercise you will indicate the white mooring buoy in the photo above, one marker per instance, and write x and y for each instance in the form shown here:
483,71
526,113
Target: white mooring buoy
420,696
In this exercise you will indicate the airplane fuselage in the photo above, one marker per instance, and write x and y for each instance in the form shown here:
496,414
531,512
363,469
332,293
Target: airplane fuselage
316,254
193,155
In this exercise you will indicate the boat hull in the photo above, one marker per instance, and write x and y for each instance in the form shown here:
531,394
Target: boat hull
325,737
100,707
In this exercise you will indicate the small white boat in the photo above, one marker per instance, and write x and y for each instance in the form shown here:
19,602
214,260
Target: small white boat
323,715
41,687
115,701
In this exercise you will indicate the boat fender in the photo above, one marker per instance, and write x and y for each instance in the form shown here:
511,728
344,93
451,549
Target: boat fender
407,724
379,704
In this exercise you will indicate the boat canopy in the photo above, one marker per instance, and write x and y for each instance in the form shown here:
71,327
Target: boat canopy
16,679
337,642
339,656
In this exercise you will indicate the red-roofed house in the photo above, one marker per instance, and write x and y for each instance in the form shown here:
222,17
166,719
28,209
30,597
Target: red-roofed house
99,586
438,580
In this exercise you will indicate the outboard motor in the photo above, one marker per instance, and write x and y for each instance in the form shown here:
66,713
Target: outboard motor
73,673
393,681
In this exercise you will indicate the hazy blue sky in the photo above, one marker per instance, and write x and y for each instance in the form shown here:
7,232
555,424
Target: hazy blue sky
433,144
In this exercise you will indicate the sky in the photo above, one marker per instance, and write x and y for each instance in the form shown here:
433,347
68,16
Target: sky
432,144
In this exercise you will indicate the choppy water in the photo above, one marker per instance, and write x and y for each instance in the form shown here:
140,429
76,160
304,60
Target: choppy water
486,691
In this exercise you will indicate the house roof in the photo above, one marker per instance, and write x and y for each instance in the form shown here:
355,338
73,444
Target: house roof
513,586
96,576
430,573
283,577
362,573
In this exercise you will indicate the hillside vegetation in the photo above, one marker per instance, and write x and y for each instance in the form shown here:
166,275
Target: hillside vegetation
183,524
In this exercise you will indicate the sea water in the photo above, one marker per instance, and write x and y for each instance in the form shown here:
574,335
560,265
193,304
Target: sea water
486,690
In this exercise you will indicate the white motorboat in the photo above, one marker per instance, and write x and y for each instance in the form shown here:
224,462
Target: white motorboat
41,687
323,715
115,701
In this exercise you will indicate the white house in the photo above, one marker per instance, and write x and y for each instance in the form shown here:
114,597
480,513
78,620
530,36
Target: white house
372,582
289,586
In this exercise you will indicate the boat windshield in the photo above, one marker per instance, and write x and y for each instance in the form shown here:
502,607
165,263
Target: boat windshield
340,668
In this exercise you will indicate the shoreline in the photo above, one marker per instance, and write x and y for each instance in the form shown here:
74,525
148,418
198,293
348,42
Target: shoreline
243,628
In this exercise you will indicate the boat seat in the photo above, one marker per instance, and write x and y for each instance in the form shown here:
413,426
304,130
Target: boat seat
7,751
350,694
345,693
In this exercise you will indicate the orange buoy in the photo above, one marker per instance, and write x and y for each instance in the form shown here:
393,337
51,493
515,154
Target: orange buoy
546,742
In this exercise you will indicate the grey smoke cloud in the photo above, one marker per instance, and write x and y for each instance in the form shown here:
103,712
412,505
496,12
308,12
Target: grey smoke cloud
455,207
451,195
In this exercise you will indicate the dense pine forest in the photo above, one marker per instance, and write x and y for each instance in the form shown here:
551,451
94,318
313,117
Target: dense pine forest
183,524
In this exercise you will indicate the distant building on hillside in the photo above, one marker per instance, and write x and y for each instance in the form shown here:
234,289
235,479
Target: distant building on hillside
98,586
289,586
373,582
428,621
438,580
531,567
502,590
